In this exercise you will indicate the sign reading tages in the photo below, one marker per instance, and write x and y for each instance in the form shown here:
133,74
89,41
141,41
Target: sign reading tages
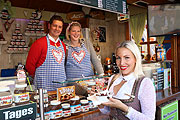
116,6
22,112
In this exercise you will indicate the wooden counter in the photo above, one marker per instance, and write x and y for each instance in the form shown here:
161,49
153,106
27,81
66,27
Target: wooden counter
162,97
168,94
91,115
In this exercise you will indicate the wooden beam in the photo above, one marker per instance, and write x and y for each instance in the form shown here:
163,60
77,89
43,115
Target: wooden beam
127,31
174,47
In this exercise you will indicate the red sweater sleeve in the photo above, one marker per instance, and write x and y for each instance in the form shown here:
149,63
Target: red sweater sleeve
36,55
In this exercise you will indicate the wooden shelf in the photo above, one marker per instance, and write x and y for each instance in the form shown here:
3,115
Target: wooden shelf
16,52
34,34
3,42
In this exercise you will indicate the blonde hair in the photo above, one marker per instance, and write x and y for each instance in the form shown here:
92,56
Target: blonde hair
68,29
138,71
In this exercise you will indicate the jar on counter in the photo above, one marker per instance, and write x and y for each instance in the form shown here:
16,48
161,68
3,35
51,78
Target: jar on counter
20,94
84,105
20,48
46,118
17,30
23,42
42,31
18,42
32,31
46,111
15,48
13,42
19,36
34,14
37,20
10,48
27,30
66,110
35,97
40,26
56,110
31,20
5,97
14,36
34,25
75,106
38,31
25,48
29,25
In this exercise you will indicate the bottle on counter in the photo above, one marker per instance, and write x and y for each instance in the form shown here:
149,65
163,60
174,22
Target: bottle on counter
21,74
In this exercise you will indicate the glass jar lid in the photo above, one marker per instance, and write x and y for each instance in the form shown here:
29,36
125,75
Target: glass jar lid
75,98
21,85
84,101
65,105
55,102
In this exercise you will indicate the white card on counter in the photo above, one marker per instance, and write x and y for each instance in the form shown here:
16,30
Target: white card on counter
97,100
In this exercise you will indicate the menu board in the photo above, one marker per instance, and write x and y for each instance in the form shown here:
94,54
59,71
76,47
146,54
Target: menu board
116,6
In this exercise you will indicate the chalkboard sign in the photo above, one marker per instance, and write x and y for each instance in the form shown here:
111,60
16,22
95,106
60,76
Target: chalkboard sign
116,6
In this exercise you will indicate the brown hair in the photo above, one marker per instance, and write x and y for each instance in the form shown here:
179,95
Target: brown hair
56,17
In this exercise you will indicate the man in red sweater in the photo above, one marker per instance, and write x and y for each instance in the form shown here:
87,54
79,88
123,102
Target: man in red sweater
45,61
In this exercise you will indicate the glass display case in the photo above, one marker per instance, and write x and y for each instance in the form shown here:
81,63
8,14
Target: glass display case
61,104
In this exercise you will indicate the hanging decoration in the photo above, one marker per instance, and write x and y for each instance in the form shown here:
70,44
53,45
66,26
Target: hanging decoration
38,14
7,25
25,13
97,48
1,36
6,13
6,10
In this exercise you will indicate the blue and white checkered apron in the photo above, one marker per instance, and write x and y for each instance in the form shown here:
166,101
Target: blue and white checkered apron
78,62
52,69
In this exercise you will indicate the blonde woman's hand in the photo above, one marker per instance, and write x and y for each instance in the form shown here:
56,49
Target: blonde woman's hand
115,103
